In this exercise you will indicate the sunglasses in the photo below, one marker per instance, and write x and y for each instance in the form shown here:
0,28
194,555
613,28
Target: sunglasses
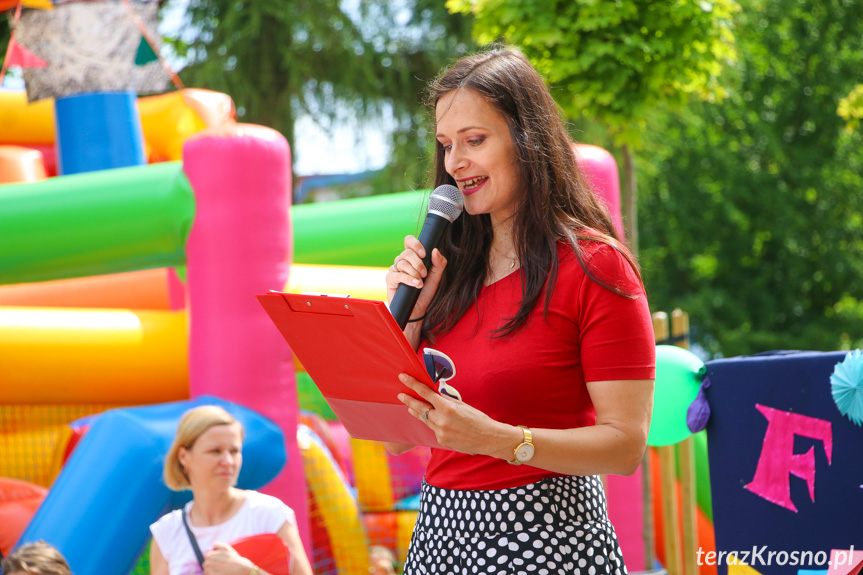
441,369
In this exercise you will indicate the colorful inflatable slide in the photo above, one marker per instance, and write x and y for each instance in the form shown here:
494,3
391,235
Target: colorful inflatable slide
65,362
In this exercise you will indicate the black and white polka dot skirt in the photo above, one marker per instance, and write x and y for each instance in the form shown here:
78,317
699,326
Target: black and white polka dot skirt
557,526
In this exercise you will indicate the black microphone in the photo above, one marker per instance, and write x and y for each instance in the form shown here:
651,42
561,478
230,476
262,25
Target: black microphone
445,205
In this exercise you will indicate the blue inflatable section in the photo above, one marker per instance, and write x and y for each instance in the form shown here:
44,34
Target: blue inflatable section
99,510
98,131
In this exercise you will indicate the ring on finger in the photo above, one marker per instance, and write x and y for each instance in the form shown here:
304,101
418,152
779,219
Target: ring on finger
425,416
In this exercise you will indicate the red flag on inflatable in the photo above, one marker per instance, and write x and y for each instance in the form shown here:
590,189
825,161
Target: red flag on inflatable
21,56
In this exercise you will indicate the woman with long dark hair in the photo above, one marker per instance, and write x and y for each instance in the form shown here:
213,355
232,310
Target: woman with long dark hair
542,309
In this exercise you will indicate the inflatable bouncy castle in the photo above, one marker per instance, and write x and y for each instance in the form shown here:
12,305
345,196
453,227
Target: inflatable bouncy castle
75,346
122,287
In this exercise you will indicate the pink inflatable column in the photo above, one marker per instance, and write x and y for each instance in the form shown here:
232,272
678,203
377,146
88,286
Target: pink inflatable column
599,167
239,246
625,503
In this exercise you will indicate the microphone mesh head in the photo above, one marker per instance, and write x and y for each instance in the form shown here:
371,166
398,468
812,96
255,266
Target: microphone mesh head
446,201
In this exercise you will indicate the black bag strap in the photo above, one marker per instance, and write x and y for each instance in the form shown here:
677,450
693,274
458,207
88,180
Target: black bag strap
192,540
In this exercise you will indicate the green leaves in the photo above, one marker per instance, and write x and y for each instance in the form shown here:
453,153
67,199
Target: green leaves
281,59
616,60
751,212
851,108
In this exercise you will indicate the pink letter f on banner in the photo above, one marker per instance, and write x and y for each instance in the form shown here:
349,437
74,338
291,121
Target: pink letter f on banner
778,459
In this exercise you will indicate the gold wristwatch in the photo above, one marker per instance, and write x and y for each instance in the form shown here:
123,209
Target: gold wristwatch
525,450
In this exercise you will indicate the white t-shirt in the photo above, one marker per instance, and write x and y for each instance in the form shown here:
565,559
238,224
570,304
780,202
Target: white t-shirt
259,514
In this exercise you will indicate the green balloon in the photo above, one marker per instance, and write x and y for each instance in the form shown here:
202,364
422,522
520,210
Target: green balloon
678,378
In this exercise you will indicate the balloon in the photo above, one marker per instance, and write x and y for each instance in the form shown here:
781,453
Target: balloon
678,377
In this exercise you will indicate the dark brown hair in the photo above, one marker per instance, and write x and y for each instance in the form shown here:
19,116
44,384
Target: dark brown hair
554,201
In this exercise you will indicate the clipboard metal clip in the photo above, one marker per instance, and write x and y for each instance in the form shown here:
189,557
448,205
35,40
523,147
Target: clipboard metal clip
320,303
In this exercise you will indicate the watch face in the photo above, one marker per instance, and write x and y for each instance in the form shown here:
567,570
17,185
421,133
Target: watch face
524,453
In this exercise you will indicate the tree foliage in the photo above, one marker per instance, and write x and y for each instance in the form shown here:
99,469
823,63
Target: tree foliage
752,209
280,59
851,108
5,32
615,61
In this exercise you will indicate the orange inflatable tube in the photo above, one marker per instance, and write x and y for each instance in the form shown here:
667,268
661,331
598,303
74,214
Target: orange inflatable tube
20,165
154,289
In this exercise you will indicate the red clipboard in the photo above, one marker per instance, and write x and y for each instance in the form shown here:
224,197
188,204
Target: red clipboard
354,351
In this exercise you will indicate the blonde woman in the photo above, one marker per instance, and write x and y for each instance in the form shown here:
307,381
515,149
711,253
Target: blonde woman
206,458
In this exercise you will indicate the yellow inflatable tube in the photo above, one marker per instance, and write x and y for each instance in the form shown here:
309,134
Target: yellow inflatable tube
62,355
22,123
372,472
338,510
167,120
406,522
355,281
92,356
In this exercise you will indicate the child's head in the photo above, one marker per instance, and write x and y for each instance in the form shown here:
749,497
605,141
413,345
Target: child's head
35,559
381,561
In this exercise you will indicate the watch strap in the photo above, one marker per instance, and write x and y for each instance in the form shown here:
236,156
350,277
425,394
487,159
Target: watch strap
527,438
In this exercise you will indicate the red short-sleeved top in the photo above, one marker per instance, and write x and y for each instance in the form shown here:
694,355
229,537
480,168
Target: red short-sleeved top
537,376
